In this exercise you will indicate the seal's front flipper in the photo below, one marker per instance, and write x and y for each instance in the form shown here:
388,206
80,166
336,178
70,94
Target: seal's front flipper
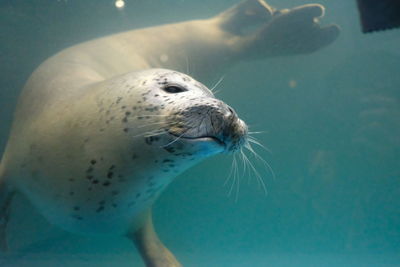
6,196
153,252
239,18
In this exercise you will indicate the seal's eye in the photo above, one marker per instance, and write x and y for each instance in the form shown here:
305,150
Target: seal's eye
173,89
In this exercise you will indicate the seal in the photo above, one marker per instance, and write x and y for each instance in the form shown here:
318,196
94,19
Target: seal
101,128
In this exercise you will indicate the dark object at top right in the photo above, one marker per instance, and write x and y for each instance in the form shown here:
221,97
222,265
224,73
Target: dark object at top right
377,15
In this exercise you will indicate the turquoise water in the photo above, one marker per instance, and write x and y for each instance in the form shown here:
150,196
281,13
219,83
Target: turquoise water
330,120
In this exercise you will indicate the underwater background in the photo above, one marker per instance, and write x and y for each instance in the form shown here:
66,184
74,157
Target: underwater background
331,121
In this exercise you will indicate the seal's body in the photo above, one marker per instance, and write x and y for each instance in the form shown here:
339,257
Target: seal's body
95,163
102,127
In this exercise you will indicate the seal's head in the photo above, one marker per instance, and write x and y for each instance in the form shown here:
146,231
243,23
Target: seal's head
176,113
192,116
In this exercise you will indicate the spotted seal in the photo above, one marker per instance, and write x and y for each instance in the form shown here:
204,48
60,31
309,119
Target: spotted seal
101,128
96,163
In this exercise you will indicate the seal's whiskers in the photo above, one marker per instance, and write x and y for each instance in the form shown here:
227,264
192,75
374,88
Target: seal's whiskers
176,139
151,133
216,84
246,171
153,115
187,65
257,174
248,168
251,139
236,180
258,132
233,174
153,123
258,157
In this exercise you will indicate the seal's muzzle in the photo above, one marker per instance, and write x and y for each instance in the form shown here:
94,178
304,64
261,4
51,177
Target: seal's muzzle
210,118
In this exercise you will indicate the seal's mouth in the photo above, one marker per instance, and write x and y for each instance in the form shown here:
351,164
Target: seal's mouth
206,138
212,126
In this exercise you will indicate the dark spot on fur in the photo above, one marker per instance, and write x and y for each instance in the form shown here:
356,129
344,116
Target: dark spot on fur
90,169
167,160
101,208
77,217
32,147
93,161
169,149
95,182
114,205
148,140
77,208
149,191
126,130
179,146
121,178
106,183
71,179
138,195
71,193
